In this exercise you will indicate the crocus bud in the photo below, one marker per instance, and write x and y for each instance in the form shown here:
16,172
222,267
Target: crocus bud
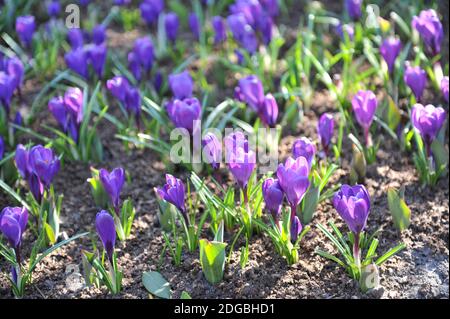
428,120
58,109
293,179
416,79
220,33
252,91
25,26
75,38
2,148
15,69
353,205
150,10
73,100
53,8
96,55
212,150
444,87
174,192
296,229
6,90
390,49
157,81
181,84
240,158
99,34
364,105
113,183
118,86
44,164
171,23
133,101
268,111
104,224
194,24
21,159
325,130
145,53
134,65
183,113
13,223
77,60
273,196
353,8
304,147
430,30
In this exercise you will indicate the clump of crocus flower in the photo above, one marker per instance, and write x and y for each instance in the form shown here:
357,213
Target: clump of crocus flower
25,27
141,57
250,90
11,78
427,120
364,105
390,49
325,130
430,30
416,79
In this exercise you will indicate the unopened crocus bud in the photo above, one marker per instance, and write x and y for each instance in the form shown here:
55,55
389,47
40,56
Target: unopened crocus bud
427,120
171,23
194,25
181,84
268,111
113,183
25,26
390,49
183,113
53,8
118,86
145,53
444,87
75,38
174,192
304,147
430,30
44,164
133,101
240,158
325,130
353,205
97,57
134,66
15,70
296,229
106,230
99,34
252,91
293,179
150,10
6,90
353,8
212,150
13,223
220,33
57,107
21,159
273,197
364,105
416,79
77,60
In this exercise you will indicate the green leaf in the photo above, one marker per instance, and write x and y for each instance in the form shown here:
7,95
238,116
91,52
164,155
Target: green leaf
185,295
155,284
390,253
212,260
392,114
401,214
50,233
310,202
440,153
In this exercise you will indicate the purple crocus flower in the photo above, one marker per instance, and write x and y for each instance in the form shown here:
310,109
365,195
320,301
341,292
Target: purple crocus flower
73,99
6,90
194,24
353,8
157,81
364,105
113,183
220,33
134,66
171,23
174,192
2,148
353,205
118,86
53,8
99,34
428,120
325,130
58,109
25,26
77,60
150,10
390,49
265,25
430,30
444,87
303,147
44,164
75,38
241,159
181,85
133,101
144,52
21,159
296,229
212,150
273,197
293,179
344,30
268,111
416,79
183,113
97,57
104,224
271,7
13,223
252,91
15,69
243,32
